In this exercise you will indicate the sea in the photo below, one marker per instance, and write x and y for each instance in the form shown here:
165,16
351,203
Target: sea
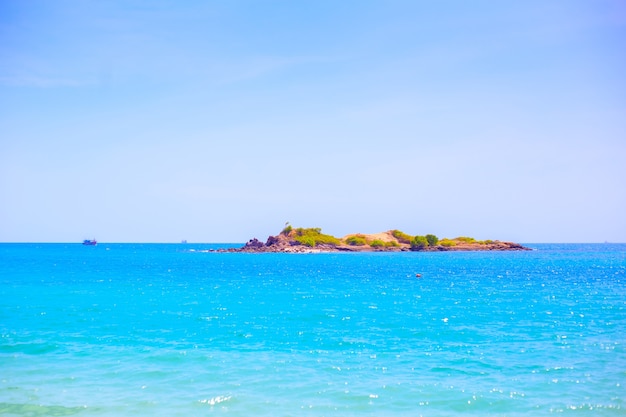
179,330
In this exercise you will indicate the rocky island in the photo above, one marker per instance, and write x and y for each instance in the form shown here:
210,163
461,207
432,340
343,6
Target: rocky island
307,240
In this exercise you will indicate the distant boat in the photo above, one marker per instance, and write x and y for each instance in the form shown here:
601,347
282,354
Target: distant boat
90,242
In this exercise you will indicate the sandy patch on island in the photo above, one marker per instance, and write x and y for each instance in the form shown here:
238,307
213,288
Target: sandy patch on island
384,236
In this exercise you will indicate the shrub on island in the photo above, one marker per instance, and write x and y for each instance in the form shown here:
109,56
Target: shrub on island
313,236
401,236
306,241
357,240
419,243
377,243
432,240
447,242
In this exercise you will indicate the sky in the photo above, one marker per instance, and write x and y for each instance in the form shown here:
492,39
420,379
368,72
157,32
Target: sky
219,121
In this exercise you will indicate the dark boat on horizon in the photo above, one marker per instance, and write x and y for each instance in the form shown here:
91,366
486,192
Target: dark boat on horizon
90,242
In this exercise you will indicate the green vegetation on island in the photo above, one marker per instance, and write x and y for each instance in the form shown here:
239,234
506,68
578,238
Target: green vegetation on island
313,236
401,236
357,240
302,239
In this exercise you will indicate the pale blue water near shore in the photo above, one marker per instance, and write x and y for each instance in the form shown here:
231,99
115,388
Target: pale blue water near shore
161,330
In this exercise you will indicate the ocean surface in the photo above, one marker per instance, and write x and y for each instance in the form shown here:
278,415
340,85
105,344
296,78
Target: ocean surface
172,330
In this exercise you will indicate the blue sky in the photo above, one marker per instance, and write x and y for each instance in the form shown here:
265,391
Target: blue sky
218,121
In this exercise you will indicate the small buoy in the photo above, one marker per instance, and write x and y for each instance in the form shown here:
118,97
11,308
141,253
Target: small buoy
418,275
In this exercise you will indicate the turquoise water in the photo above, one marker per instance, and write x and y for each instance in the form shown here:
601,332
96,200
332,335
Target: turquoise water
170,330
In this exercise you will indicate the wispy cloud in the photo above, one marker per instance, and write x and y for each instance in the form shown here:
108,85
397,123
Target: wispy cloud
251,68
44,81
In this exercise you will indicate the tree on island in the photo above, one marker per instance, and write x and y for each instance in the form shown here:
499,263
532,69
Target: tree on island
432,240
419,243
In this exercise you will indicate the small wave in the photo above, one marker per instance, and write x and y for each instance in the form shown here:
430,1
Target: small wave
586,407
39,410
215,400
34,348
